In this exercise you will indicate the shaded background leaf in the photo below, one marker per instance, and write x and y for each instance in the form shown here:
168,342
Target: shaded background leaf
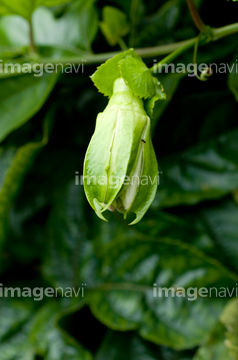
233,79
114,25
230,319
25,8
29,92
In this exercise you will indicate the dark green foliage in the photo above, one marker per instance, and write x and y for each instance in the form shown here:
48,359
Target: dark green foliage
49,235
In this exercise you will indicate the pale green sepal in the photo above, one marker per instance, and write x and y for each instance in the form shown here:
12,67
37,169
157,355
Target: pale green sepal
146,193
98,210
96,160
158,95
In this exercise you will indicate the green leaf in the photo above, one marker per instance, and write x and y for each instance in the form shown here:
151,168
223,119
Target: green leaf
207,171
214,348
65,258
29,92
107,73
233,79
161,224
25,8
14,165
230,319
52,342
14,313
17,347
135,73
136,11
129,346
125,300
77,27
114,25
42,336
220,222
139,78
160,24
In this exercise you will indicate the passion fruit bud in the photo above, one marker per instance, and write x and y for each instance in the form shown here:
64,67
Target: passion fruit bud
120,168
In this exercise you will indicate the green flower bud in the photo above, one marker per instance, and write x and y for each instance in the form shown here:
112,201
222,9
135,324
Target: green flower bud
120,168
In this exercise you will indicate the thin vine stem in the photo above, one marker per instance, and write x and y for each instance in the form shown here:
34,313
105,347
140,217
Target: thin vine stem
122,44
168,59
91,59
31,34
182,46
225,31
195,16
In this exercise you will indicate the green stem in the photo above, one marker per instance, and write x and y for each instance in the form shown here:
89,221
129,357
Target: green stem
122,44
195,16
168,59
99,58
147,52
31,34
225,31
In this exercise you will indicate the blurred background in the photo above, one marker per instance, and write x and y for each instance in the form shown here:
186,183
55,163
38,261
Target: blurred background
49,235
